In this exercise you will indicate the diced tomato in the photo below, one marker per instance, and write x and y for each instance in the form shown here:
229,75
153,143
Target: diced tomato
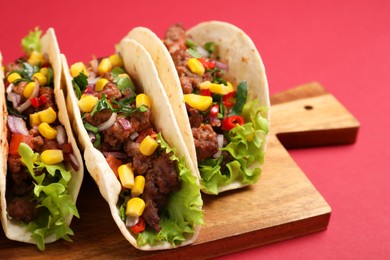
67,148
35,102
232,121
214,110
229,99
43,99
16,139
205,92
113,163
206,63
139,227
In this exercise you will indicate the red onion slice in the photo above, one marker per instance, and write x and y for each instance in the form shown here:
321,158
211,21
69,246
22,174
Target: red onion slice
124,123
221,66
108,123
131,221
17,125
9,88
73,160
134,136
92,81
202,51
34,94
94,65
14,98
92,137
220,144
61,135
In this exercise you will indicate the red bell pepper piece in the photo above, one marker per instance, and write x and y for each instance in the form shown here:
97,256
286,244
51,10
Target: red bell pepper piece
228,99
35,102
232,121
205,92
207,64
139,227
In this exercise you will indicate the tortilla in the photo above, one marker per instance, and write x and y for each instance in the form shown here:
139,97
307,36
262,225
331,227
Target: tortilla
12,229
236,50
142,71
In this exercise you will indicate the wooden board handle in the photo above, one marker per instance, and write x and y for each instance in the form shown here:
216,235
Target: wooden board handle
308,116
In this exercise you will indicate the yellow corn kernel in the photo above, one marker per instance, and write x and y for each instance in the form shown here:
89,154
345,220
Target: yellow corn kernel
104,66
41,78
135,207
44,71
48,115
116,60
86,103
148,146
36,58
139,185
196,66
199,102
47,131
28,90
100,84
126,175
221,88
142,99
77,68
52,156
34,120
205,85
13,76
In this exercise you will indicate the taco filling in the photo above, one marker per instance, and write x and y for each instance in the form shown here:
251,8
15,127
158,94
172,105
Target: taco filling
228,129
117,117
37,191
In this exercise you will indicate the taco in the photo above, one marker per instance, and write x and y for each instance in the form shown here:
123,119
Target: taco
41,164
216,82
133,148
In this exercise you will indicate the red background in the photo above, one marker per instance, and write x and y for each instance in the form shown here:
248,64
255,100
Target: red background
344,45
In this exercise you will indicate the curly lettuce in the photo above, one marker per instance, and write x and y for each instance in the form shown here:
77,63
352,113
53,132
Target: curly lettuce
31,42
245,145
52,195
183,211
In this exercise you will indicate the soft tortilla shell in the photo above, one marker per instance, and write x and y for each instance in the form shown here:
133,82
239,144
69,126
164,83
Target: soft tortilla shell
236,49
143,72
12,229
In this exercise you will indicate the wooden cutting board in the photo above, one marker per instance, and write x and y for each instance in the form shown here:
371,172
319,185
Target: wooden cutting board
282,205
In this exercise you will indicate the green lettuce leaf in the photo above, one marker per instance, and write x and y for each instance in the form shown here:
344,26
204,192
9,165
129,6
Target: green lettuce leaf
31,42
245,144
53,200
183,211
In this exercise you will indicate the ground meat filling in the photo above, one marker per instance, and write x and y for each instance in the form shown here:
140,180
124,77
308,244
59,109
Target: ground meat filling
206,142
21,205
125,135
205,138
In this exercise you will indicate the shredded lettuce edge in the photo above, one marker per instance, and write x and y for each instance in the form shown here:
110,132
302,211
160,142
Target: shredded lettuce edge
183,211
246,146
51,191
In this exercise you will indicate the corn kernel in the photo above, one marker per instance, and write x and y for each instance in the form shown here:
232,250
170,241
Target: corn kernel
139,185
86,103
196,66
44,71
116,60
148,146
36,58
28,90
77,68
100,84
205,85
52,156
48,115
135,207
142,99
47,131
221,88
41,78
199,102
13,76
34,120
126,175
104,66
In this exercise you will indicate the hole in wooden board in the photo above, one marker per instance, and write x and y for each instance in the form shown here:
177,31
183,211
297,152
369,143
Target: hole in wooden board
308,107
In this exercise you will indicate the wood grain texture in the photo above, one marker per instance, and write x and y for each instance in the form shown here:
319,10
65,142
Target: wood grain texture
282,205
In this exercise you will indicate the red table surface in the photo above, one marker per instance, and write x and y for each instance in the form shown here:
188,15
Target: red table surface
344,45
